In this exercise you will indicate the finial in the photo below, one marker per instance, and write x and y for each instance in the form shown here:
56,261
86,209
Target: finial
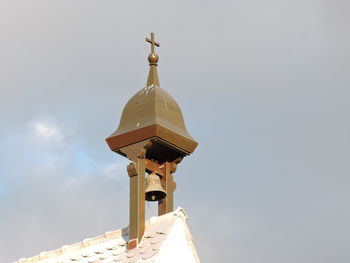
153,57
153,60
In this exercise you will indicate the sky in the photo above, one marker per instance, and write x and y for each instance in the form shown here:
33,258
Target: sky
264,89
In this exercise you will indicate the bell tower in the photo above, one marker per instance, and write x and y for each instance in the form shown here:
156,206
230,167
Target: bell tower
153,136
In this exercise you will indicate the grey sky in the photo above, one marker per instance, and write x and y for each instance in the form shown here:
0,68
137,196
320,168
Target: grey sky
264,89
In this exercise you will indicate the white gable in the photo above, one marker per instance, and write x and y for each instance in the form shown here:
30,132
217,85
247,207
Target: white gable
178,246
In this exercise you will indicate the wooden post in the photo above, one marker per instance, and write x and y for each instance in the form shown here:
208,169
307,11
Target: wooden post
136,172
166,205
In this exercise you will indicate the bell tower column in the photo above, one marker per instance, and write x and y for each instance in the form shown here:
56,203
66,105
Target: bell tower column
166,205
136,172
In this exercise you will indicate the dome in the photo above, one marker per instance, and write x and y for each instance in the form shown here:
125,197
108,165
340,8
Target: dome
153,114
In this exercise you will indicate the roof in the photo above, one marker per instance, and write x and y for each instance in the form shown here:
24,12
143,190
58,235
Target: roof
152,105
152,112
166,239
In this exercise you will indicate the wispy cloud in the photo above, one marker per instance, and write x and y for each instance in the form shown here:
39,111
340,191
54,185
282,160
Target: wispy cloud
55,147
47,132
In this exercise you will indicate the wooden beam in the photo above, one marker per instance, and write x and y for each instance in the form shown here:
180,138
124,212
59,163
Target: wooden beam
159,168
136,173
166,205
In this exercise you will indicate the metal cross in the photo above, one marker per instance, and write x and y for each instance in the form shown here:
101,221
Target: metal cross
152,42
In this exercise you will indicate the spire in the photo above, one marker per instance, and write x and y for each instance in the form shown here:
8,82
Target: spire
153,60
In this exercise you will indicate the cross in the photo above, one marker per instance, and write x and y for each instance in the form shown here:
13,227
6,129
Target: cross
152,42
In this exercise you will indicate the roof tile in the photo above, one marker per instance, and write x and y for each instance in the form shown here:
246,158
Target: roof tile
150,253
119,251
135,258
121,242
94,259
133,252
150,233
158,239
157,246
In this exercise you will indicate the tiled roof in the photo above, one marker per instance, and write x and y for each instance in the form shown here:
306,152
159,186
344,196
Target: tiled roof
111,247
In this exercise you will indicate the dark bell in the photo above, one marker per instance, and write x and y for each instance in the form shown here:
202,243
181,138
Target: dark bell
154,190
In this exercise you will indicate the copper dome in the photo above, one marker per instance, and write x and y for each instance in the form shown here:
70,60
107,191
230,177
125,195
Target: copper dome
153,114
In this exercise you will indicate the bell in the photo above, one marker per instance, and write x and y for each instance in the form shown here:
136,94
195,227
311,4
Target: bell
154,190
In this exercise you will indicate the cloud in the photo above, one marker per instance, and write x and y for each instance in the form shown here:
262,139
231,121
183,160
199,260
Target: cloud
47,133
